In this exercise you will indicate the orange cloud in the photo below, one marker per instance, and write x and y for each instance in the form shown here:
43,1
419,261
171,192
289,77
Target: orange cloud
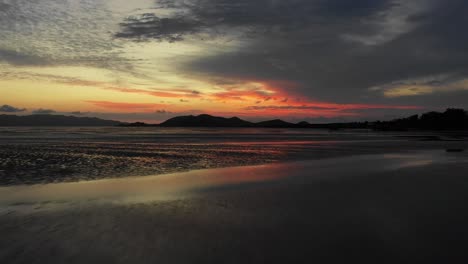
248,98
239,95
285,98
177,93
126,106
249,91
80,82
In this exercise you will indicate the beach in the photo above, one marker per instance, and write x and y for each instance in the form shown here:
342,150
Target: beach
221,131
70,154
332,201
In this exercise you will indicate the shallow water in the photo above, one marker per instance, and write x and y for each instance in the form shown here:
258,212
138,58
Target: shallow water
47,155
186,135
198,182
379,201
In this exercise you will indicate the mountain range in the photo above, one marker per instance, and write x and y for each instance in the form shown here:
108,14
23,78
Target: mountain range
451,119
54,120
214,121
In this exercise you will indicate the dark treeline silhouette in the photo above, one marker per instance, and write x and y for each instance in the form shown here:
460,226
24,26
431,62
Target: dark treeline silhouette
451,119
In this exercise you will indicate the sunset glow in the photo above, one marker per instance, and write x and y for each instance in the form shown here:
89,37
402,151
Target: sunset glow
116,60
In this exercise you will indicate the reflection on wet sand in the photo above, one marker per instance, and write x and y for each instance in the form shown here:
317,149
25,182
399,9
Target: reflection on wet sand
182,185
391,208
53,155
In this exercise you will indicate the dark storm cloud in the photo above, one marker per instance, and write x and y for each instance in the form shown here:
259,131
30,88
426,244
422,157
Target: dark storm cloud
214,17
150,26
20,59
11,109
336,50
4,7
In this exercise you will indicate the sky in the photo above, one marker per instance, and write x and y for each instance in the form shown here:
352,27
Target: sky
313,60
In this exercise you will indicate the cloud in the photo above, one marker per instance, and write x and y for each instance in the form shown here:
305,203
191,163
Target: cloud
42,111
362,52
220,17
40,77
150,26
286,107
240,95
329,106
11,109
126,106
334,50
54,33
172,93
163,112
392,22
4,7
20,59
408,90
77,113
445,83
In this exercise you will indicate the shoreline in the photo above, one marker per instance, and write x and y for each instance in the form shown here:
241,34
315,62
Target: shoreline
180,185
371,209
74,161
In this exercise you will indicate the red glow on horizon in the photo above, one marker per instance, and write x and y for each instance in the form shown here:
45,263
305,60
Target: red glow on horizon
247,99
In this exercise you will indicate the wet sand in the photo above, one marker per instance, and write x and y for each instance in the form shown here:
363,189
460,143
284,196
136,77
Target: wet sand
51,155
404,207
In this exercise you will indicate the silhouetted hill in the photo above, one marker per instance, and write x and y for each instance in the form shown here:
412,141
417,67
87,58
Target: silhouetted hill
54,120
205,121
277,123
451,119
137,124
214,121
303,124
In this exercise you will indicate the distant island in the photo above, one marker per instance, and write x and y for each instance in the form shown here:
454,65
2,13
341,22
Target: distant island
54,120
451,119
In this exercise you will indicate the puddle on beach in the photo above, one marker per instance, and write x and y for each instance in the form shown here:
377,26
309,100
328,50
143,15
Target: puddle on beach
188,184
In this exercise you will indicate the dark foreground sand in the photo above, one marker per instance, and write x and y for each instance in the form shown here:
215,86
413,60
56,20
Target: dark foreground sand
401,208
